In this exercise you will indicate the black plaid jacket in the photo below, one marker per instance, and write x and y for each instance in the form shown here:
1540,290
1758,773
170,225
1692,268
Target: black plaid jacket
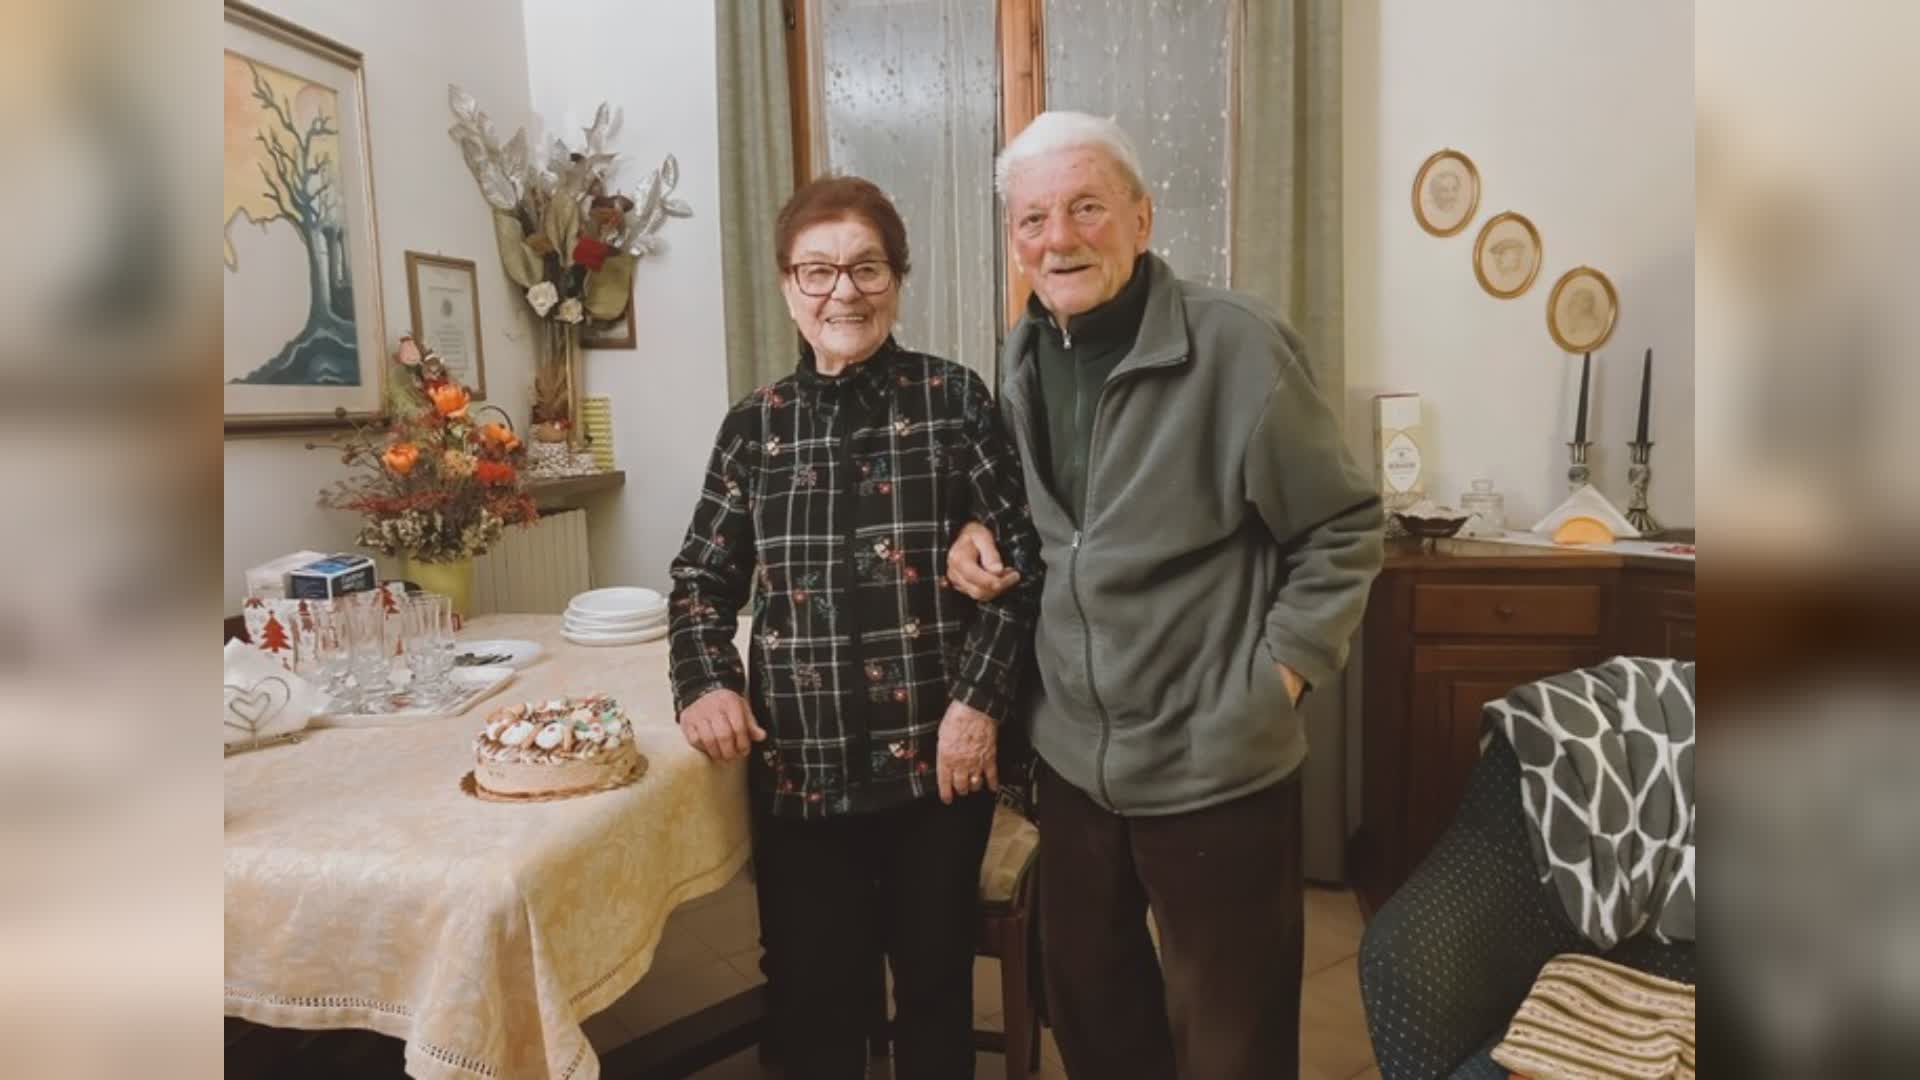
833,501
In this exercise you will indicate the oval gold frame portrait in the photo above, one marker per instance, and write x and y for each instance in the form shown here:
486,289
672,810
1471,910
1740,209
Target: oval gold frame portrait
1560,335
1420,183
1480,254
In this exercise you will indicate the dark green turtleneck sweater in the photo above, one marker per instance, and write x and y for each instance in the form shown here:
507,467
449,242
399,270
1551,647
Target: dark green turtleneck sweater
1073,367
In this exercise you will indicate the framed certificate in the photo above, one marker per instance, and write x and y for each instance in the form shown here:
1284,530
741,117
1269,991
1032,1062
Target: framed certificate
444,296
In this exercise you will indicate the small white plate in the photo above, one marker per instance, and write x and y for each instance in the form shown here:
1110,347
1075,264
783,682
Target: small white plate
633,638
517,653
590,625
620,601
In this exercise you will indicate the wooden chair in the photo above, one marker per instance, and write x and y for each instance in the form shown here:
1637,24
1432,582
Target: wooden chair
1008,889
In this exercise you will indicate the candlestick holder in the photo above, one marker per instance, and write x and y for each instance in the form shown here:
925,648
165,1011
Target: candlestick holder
1577,468
1639,474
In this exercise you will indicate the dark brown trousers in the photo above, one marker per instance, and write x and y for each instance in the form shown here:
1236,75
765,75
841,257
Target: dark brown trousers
1222,1000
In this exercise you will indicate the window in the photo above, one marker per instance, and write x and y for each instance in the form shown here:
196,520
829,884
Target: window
918,96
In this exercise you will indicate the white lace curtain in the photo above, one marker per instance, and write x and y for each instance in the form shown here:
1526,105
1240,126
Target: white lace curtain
1164,70
908,97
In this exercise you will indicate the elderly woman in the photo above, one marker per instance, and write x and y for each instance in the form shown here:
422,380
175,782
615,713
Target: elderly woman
869,703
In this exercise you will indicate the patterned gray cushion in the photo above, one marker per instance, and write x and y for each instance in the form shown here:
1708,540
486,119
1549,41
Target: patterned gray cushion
1607,758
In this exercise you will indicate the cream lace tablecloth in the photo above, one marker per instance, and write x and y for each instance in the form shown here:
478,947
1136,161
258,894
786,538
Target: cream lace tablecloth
364,890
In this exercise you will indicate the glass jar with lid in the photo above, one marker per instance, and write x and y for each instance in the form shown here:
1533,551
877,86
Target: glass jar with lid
1487,510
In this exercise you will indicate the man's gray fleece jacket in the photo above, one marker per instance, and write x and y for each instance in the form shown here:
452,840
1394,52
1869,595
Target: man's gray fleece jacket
1227,527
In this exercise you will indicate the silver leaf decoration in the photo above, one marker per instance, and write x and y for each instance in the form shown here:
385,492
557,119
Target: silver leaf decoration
464,107
500,192
513,157
597,134
510,180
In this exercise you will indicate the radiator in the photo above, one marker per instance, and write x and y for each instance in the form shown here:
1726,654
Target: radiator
534,568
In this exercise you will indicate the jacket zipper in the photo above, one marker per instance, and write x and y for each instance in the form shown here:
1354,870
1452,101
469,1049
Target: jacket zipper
1106,723
1073,575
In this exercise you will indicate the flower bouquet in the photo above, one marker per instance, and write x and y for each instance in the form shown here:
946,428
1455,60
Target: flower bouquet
564,234
436,485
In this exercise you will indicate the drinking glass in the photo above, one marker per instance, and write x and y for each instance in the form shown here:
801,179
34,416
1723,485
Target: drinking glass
429,643
332,653
370,647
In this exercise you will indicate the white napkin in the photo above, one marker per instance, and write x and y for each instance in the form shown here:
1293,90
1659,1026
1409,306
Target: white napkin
264,700
1587,502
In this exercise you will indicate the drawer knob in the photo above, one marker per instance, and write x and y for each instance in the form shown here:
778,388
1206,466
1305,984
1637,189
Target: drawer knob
1503,611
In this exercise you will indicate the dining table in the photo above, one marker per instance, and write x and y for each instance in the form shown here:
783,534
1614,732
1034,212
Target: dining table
366,889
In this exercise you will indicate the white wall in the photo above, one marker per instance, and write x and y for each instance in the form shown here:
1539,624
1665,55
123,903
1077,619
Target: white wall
1580,116
656,61
424,200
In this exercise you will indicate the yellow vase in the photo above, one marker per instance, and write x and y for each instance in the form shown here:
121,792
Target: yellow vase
453,579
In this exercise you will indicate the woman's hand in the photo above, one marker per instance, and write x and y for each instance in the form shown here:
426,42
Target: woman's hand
966,757
720,725
973,564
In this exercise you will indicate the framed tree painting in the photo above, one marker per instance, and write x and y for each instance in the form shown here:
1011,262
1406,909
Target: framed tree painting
304,332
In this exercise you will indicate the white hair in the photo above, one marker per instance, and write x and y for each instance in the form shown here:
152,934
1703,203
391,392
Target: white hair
1061,130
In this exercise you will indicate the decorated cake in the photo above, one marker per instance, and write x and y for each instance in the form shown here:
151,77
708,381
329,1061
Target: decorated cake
560,747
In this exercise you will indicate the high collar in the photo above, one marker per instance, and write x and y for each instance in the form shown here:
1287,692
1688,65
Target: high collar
862,378
1113,324
1162,341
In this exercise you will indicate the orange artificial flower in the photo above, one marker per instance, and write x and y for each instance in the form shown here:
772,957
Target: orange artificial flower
493,472
499,437
401,456
450,399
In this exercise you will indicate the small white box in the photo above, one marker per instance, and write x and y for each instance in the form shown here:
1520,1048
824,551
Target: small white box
268,581
1399,450
331,576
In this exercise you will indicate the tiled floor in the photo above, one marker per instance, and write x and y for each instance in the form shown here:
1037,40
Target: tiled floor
711,950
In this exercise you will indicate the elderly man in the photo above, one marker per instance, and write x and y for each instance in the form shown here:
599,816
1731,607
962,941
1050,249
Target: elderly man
1208,545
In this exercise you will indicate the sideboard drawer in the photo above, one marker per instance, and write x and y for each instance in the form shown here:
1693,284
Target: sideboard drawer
1530,610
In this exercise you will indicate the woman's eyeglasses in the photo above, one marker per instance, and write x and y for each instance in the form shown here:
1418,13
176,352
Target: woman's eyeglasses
820,279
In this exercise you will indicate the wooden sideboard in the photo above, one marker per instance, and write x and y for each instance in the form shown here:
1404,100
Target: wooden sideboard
1450,629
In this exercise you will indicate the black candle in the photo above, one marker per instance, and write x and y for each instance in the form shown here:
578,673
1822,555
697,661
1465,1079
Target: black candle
1646,390
1580,417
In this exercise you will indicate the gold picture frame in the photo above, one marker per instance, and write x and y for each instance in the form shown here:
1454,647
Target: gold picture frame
1507,254
304,334
1446,192
449,322
1582,309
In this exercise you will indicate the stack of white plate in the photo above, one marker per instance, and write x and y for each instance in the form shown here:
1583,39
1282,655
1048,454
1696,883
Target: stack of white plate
616,616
